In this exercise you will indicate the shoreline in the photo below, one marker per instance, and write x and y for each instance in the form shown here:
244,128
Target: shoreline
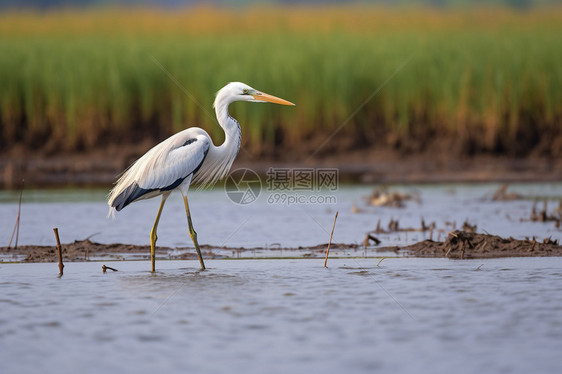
458,245
102,167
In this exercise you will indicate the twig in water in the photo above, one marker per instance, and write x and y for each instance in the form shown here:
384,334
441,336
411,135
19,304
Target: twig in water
59,248
378,230
370,237
380,261
17,225
105,268
91,236
330,242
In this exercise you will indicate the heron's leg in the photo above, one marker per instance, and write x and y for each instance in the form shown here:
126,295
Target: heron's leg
192,233
153,236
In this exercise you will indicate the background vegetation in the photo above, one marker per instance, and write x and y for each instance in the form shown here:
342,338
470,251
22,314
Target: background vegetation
480,80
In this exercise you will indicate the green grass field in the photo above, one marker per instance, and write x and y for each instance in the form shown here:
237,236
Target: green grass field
74,80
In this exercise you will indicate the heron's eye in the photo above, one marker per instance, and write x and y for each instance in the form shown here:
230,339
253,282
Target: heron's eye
245,91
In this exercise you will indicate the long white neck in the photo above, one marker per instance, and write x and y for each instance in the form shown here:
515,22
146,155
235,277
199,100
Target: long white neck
231,127
220,159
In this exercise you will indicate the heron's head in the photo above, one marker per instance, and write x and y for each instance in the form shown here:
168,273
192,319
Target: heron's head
238,91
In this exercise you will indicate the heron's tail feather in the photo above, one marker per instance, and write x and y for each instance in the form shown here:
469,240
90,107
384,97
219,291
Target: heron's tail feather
111,213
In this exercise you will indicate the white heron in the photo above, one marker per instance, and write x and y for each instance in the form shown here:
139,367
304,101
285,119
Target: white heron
184,158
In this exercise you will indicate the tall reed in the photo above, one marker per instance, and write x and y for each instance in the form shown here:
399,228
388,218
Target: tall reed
78,79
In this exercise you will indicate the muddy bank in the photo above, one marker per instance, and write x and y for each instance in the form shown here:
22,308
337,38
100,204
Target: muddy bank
102,167
458,245
86,250
467,245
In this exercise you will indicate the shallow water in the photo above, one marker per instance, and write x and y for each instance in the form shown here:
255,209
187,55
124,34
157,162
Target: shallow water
282,316
82,213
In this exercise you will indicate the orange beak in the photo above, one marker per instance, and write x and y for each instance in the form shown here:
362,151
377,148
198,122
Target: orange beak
272,99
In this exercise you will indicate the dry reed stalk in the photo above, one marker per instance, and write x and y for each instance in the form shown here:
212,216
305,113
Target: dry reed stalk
330,242
59,248
17,225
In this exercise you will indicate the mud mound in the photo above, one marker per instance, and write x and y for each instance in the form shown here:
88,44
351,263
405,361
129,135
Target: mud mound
80,250
465,245
86,250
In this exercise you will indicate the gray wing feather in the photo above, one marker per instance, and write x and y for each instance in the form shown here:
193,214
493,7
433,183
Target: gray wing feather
161,169
179,163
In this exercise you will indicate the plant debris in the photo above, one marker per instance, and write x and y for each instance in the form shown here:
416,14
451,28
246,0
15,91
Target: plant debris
370,237
383,197
394,226
466,226
106,268
501,194
465,245
544,216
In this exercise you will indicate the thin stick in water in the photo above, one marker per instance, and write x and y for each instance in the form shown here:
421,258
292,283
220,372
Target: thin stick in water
17,225
330,242
13,233
106,268
59,248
